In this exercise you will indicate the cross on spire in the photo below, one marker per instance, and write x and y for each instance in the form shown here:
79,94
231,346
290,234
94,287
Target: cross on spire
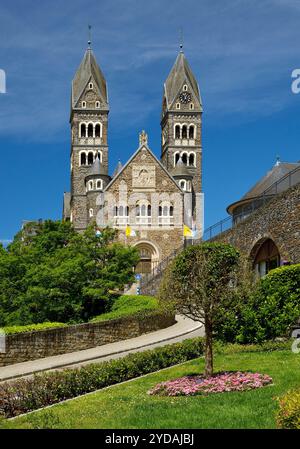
181,40
90,36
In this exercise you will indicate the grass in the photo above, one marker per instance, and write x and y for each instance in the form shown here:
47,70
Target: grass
128,305
9,330
129,406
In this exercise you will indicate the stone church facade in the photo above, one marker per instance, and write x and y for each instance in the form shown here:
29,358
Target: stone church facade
150,201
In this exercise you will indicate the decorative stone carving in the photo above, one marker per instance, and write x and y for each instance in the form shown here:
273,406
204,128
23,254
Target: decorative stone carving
143,175
143,138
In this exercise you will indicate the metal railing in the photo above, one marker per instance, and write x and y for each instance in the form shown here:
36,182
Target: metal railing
284,183
290,179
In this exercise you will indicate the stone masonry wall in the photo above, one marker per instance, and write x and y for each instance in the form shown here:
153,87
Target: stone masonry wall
278,220
39,344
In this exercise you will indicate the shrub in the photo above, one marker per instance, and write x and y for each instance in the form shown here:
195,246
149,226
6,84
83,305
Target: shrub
288,416
128,305
31,327
266,313
28,394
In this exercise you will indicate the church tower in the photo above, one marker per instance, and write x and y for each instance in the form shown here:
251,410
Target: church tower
181,133
89,148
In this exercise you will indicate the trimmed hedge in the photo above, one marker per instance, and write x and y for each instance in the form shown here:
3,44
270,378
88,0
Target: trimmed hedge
8,330
128,305
29,394
288,416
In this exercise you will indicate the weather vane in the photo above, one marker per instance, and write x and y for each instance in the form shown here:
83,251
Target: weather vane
90,36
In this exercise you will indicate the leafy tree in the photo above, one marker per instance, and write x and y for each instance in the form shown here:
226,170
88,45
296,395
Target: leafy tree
55,274
197,284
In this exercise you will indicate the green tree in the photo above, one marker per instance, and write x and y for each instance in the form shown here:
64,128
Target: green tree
197,283
56,274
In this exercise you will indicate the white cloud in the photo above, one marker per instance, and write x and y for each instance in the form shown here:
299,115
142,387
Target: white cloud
242,53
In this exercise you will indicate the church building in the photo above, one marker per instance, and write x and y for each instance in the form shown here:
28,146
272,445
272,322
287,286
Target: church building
154,203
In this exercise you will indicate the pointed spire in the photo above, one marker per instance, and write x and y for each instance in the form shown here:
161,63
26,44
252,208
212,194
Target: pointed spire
181,73
97,168
88,69
118,168
277,161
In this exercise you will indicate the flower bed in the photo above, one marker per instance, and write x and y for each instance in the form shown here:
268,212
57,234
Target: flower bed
219,383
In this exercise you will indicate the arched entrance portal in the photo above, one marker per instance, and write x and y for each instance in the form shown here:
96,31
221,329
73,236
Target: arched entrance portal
265,256
149,258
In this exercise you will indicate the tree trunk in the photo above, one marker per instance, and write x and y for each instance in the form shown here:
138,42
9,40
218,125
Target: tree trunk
208,348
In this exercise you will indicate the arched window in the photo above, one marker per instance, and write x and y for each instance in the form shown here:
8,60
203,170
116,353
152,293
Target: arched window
143,212
184,158
191,132
177,132
91,213
115,211
165,213
99,184
192,106
91,86
83,159
182,184
83,104
176,159
97,130
192,159
185,88
82,130
184,132
90,130
90,185
90,158
177,105
97,104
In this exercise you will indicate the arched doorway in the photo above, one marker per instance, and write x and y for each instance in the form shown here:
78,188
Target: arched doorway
148,258
265,256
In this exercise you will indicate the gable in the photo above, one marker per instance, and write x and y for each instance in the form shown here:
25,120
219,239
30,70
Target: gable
90,96
144,173
183,106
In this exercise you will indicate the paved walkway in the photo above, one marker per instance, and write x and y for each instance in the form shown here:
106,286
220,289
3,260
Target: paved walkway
184,328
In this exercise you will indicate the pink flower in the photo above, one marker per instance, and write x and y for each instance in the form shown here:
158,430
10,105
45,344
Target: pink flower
228,381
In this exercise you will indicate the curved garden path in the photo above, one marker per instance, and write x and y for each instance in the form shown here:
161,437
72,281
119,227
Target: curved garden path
183,329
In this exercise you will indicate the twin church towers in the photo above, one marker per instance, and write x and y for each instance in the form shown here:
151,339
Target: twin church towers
155,198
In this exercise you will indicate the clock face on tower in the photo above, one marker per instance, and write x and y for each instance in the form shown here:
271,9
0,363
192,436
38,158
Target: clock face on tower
185,97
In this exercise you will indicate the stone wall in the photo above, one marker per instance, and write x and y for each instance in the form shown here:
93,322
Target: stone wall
278,220
39,344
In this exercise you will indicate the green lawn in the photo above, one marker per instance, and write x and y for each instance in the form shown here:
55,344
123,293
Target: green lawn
129,406
127,305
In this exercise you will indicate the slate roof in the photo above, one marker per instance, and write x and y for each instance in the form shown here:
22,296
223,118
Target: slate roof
181,71
275,174
263,186
97,168
181,169
87,69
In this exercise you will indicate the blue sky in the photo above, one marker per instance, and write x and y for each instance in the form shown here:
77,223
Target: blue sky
241,52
